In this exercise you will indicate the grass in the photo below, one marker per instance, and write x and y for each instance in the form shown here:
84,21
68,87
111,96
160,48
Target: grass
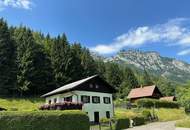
125,112
21,104
96,127
184,123
164,114
170,114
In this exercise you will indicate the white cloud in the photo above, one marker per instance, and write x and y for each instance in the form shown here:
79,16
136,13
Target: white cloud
174,32
184,52
23,4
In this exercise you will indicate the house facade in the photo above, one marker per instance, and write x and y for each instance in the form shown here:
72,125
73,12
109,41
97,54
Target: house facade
93,92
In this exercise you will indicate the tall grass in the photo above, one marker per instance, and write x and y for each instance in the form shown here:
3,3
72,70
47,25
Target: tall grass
170,114
184,123
21,104
164,114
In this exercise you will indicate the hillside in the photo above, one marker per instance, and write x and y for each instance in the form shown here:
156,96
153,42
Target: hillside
21,104
154,63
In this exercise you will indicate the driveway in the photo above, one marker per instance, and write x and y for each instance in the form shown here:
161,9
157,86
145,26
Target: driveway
156,126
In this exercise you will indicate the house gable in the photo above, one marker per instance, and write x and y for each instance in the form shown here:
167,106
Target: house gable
93,84
96,85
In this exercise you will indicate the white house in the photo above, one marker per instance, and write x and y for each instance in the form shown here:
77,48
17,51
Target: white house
93,92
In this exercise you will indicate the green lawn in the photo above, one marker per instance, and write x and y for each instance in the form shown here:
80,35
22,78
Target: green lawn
21,104
184,123
164,114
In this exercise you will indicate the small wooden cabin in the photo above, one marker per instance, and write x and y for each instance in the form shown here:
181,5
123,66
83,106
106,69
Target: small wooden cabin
145,92
169,98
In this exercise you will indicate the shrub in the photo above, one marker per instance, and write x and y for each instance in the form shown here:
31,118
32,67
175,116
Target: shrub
122,123
138,120
2,109
44,120
105,120
146,114
148,103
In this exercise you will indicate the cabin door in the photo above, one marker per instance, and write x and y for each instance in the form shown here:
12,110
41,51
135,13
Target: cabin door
96,117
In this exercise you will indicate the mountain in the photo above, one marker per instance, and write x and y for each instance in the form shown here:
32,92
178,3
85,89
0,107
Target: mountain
154,63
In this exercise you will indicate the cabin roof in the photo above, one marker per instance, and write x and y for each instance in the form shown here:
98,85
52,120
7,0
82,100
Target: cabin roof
71,86
169,98
145,91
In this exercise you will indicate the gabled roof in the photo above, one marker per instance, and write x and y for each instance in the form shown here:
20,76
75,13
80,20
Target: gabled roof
70,86
145,91
169,98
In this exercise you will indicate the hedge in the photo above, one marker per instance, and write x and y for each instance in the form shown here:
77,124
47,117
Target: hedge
44,120
148,103
122,123
138,120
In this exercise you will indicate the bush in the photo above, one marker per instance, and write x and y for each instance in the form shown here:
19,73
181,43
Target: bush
44,120
2,109
148,103
122,123
105,120
139,120
146,114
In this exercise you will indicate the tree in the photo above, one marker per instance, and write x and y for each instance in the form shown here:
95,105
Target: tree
87,62
7,60
129,82
61,60
113,74
147,79
34,69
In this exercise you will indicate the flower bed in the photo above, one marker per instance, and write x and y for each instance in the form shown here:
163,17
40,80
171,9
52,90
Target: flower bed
62,106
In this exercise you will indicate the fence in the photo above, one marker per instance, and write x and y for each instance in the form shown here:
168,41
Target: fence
102,126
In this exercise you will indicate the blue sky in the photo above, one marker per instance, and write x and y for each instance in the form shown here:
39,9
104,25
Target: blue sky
107,26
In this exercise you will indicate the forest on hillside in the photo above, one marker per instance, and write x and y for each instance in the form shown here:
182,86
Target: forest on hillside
33,63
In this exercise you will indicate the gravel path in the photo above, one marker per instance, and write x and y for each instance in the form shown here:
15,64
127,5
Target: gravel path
156,126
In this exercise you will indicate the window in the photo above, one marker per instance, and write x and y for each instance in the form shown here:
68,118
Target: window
97,86
55,100
107,100
49,102
68,99
85,99
107,114
95,99
91,85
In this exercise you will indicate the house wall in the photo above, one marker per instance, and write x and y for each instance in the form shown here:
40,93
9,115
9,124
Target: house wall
89,108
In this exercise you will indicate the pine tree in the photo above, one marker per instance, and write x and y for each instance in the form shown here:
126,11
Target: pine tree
147,79
61,60
34,69
7,60
88,63
129,82
113,74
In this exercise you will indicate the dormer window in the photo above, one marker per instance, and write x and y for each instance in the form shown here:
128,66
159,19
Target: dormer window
91,85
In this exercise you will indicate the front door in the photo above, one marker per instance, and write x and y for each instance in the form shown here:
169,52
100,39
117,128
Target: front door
96,117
